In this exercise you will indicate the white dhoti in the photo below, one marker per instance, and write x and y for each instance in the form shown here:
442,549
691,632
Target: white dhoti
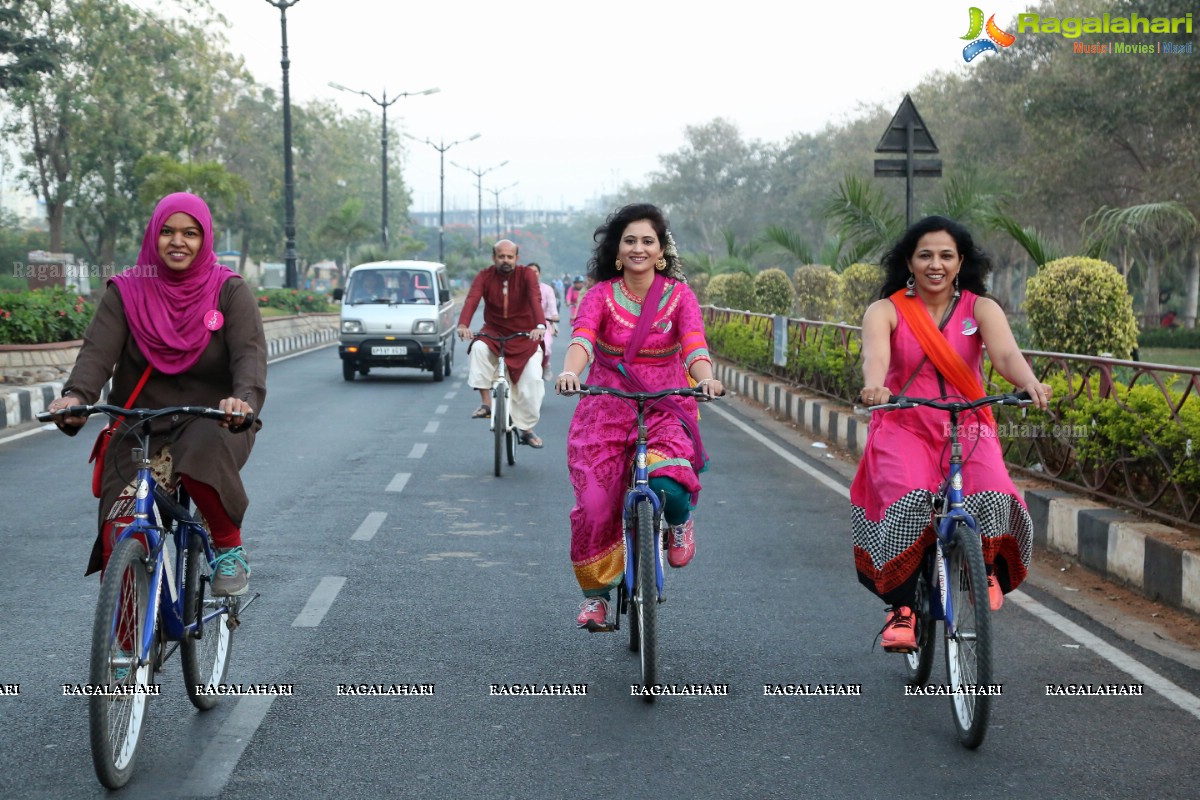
527,392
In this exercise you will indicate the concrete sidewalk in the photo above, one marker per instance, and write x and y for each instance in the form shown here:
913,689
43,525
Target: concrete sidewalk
1160,562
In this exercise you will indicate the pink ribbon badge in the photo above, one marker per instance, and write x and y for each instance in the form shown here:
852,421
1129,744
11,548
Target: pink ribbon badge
213,320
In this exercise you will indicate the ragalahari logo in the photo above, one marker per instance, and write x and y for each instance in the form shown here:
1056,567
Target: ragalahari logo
995,36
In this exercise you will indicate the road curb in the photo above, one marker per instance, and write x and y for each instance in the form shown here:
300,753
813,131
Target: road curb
1113,543
22,404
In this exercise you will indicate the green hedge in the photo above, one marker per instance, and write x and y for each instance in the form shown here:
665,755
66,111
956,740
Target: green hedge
294,300
1170,337
42,316
819,361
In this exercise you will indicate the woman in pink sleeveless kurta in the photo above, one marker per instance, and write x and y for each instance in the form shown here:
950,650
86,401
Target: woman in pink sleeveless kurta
905,459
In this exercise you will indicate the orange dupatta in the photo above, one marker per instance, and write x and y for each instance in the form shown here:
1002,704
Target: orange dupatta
945,360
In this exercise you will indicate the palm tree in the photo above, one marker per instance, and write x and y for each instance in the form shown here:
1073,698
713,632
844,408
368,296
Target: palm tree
863,217
343,228
1148,235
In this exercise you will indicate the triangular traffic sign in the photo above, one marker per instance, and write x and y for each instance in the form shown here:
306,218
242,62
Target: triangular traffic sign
895,138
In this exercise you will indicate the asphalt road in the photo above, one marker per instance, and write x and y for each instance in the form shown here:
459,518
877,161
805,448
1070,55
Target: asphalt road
387,553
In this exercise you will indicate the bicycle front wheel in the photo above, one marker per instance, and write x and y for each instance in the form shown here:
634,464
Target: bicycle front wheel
120,686
645,598
205,657
969,650
499,427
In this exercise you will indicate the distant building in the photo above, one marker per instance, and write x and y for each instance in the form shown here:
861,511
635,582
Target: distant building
29,210
509,217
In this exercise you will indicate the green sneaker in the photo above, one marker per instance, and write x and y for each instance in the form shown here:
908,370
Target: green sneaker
231,573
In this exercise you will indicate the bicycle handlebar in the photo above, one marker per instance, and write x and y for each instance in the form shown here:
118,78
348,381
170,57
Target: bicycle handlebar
481,334
900,401
143,413
597,390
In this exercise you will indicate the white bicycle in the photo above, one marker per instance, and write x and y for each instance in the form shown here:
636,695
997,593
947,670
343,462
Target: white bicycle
506,435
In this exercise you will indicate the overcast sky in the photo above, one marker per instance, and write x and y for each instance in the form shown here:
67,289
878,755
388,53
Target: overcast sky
580,97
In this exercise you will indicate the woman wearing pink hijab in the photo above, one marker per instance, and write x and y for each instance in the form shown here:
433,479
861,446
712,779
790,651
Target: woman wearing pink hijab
187,330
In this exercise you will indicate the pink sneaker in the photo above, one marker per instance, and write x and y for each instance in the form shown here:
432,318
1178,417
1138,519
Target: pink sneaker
995,593
681,544
593,614
899,635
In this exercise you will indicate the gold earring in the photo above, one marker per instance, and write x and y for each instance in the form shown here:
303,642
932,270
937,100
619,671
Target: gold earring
620,266
661,264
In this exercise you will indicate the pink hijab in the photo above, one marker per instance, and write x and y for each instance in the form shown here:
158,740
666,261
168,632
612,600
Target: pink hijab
168,311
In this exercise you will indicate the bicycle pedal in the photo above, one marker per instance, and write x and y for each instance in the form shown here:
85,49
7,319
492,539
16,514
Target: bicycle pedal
593,627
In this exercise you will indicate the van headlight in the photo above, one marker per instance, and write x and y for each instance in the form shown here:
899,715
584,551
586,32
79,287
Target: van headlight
352,326
425,326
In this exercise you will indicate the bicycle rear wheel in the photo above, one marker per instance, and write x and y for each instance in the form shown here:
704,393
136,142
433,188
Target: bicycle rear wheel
499,423
205,659
645,598
116,717
510,445
969,650
919,663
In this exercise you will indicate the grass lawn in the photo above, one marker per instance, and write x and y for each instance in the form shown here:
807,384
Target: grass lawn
1170,355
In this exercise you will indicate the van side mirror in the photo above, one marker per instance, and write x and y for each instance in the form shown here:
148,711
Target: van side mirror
338,293
443,295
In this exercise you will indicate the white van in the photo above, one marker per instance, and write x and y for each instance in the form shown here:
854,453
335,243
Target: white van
397,314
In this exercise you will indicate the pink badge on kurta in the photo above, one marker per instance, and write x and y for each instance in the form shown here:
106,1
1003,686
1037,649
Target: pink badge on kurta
213,320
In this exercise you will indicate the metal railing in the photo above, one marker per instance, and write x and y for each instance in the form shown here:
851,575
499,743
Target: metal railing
1126,432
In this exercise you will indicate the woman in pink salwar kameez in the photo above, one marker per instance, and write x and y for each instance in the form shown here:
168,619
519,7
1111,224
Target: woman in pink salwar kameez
634,262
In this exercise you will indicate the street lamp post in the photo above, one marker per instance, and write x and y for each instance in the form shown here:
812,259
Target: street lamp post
496,194
479,173
289,187
442,147
383,104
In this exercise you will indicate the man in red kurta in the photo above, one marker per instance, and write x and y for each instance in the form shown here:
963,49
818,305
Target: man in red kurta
512,303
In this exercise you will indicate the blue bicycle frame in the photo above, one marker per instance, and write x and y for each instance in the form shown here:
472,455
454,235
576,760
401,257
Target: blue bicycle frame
152,511
951,513
639,492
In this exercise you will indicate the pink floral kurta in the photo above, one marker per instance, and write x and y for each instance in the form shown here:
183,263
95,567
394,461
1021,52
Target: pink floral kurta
604,429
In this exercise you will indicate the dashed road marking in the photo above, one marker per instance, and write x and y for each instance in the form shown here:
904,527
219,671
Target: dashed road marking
319,602
369,527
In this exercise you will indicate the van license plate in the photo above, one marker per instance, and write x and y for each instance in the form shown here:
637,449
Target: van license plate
389,351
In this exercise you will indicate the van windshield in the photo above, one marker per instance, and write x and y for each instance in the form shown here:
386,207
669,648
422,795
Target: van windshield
391,286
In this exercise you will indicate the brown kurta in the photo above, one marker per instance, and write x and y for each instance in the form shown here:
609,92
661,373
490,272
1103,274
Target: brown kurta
512,303
233,365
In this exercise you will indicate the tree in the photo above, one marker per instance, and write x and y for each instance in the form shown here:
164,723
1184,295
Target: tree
26,55
1150,232
714,183
343,228
128,84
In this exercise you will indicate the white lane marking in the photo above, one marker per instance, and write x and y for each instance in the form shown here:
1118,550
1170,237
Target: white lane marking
398,482
369,527
821,477
50,426
441,409
319,602
1122,661
212,770
418,450
431,427
1172,692
450,395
